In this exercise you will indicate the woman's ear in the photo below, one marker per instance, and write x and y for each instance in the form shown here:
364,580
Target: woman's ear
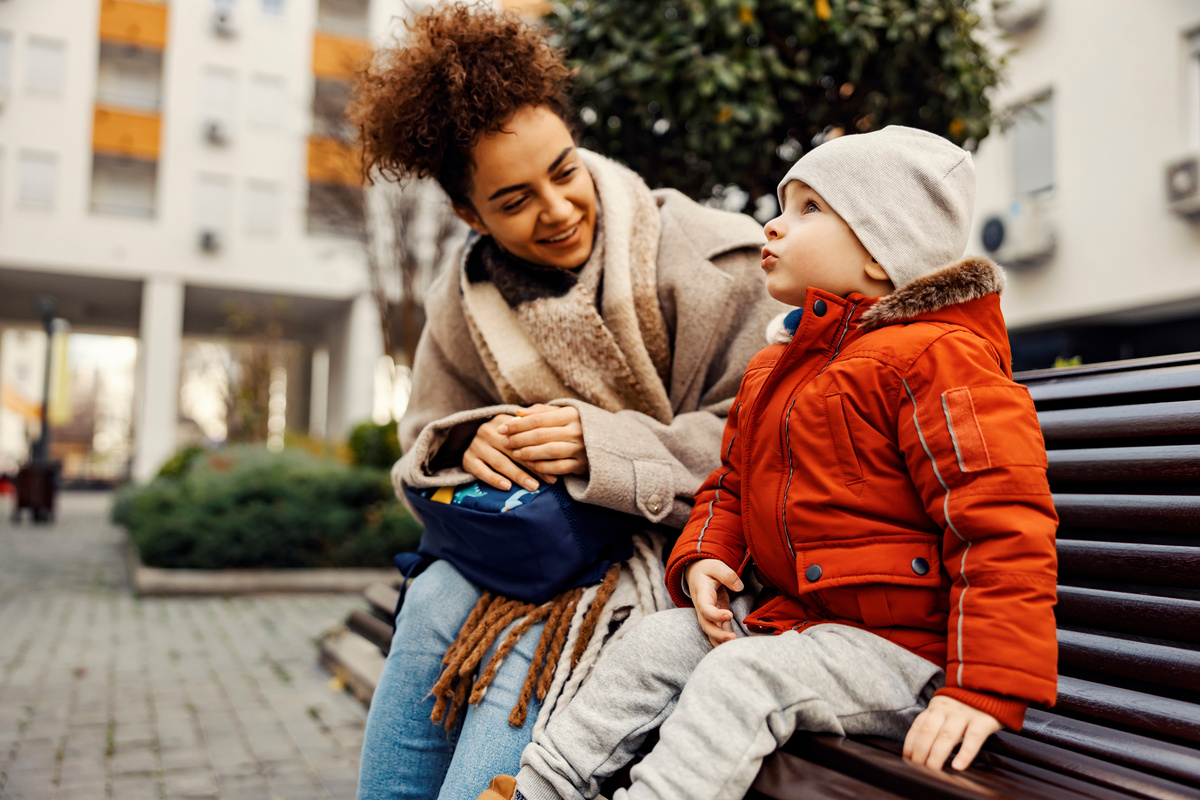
468,215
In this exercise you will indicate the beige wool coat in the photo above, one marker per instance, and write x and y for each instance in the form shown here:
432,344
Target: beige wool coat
714,302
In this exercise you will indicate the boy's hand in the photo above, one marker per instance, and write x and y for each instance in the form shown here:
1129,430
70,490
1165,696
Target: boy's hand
946,722
549,439
490,460
709,582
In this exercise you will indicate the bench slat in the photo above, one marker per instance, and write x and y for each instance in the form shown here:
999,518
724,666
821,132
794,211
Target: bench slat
1146,615
1051,765
1162,463
1129,511
1141,752
371,628
1147,712
1095,386
1159,564
1180,418
1153,663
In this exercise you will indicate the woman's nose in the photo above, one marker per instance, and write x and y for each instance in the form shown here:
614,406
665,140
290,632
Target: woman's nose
557,208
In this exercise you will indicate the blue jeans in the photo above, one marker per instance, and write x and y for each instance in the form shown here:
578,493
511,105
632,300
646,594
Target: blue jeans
405,755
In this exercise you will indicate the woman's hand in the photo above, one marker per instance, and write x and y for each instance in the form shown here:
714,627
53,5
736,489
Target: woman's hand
489,458
709,582
547,439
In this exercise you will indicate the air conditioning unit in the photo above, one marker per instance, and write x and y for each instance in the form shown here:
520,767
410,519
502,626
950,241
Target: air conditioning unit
1017,16
210,240
1021,234
223,22
1183,185
216,132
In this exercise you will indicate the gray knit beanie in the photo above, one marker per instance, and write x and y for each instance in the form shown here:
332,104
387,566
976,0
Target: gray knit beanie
907,194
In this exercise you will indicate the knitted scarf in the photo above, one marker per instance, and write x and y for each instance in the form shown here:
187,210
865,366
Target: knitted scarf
595,333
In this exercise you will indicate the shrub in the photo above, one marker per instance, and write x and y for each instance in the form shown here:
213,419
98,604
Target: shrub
247,508
374,445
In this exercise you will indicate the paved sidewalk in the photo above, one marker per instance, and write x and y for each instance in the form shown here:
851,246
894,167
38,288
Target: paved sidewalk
103,695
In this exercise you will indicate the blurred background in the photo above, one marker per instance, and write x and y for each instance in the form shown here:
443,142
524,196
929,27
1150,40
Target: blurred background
182,211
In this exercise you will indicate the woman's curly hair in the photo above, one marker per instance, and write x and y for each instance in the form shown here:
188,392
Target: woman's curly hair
421,107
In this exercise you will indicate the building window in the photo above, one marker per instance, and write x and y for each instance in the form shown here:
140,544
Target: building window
273,8
1033,145
330,99
38,176
218,96
347,17
6,48
267,101
47,65
335,210
129,77
1193,79
262,207
214,207
123,186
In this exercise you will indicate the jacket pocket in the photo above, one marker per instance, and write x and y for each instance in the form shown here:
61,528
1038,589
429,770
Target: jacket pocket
843,442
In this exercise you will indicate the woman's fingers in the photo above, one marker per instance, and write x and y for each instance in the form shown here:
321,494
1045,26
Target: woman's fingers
534,417
551,451
562,466
495,468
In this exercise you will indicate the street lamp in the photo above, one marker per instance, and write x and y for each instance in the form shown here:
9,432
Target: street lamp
46,307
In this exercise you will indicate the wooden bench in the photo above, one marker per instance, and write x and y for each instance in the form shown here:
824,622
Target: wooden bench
1123,441
1124,448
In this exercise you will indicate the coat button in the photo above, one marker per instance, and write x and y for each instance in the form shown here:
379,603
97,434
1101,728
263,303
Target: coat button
813,573
920,566
654,503
819,308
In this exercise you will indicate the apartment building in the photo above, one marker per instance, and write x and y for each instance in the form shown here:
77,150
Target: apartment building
163,163
1090,197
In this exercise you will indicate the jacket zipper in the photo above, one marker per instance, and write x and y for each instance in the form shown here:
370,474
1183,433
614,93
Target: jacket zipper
787,538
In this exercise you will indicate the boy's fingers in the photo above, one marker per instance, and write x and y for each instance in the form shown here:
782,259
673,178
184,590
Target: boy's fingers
920,736
726,576
950,734
972,742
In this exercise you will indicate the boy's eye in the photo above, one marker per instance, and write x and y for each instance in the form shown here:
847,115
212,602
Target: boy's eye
811,206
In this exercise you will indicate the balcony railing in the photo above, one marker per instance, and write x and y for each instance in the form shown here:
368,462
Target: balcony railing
141,24
120,132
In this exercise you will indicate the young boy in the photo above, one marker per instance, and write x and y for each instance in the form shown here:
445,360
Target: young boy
882,491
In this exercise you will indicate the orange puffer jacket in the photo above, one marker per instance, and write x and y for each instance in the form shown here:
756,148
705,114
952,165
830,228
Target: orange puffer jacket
883,470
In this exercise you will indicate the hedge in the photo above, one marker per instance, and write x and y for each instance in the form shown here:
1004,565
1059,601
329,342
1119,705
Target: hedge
243,507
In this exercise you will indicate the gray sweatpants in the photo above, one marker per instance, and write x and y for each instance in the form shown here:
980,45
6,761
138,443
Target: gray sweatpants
721,711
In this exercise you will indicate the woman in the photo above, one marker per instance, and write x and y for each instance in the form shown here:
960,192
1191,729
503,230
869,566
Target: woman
594,333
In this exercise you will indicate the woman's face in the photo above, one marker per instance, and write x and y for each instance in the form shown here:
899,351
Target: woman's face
531,192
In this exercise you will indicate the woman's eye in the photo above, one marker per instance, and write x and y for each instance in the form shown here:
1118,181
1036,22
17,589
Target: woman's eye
567,173
513,206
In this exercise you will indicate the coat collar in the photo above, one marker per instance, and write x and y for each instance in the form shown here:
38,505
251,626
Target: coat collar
961,282
969,279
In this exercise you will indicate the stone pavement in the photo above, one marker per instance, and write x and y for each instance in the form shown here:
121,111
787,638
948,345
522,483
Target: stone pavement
105,695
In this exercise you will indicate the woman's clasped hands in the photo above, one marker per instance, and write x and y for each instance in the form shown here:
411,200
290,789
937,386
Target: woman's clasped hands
546,441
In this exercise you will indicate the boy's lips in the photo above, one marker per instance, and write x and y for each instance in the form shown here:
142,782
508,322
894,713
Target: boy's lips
768,258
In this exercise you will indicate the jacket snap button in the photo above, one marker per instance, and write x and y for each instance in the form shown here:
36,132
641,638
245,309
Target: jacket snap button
654,503
813,573
819,308
920,566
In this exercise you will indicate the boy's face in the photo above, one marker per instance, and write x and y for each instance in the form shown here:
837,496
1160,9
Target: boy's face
809,244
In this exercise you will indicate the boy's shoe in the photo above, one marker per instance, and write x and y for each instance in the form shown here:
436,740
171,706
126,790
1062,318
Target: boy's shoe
502,787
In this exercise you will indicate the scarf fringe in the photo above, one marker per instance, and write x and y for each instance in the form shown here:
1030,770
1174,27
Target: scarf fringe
579,621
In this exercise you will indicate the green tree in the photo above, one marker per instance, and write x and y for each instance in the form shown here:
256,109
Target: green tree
699,94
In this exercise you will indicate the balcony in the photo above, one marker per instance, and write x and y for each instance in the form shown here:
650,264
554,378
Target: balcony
129,77
337,57
130,22
333,162
130,134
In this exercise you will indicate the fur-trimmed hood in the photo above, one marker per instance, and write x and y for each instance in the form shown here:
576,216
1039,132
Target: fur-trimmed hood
961,282
969,279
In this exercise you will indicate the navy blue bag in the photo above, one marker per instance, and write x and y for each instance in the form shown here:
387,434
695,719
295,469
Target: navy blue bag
525,545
